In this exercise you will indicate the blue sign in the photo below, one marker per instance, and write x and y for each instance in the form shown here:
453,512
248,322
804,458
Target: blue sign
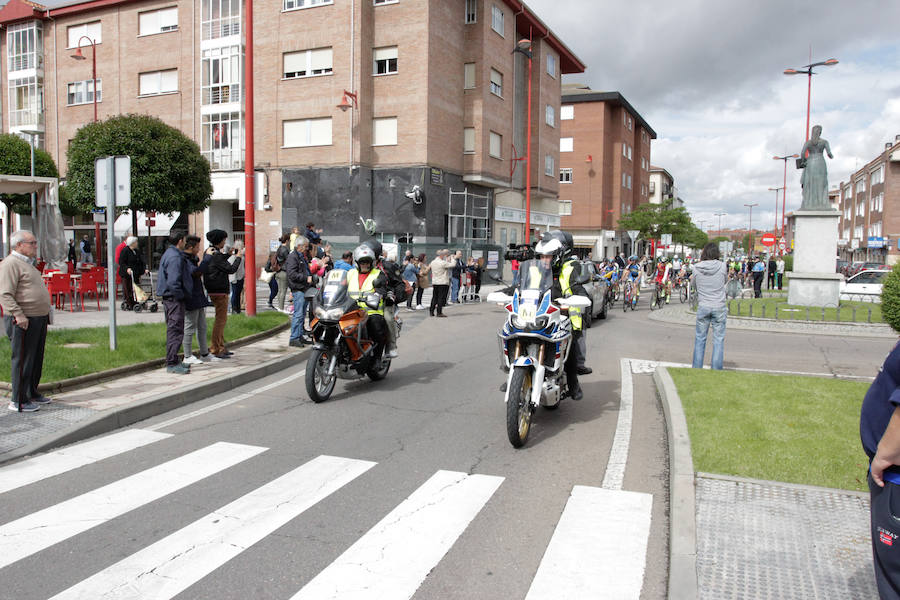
876,242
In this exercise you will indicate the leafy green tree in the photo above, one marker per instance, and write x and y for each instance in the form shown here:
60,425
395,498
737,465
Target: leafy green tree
653,220
168,173
890,298
15,159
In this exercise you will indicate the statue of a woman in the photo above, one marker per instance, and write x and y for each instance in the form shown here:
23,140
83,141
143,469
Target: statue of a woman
815,173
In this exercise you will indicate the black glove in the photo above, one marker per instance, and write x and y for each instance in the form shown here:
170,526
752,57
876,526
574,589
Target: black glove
391,298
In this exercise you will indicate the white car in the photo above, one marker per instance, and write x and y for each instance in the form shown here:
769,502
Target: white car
865,286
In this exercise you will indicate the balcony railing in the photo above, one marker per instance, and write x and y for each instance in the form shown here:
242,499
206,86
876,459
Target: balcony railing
21,62
213,30
26,117
222,94
224,159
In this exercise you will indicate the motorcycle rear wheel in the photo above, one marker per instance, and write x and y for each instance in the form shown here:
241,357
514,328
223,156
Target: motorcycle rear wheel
518,407
379,374
319,385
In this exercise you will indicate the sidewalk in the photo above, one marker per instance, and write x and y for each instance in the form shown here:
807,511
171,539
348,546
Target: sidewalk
733,537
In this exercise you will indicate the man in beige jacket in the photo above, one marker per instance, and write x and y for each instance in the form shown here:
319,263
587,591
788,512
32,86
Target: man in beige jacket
440,281
26,307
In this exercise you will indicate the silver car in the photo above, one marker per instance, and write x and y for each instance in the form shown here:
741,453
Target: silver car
596,287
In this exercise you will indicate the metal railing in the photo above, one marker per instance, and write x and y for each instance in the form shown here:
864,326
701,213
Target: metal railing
846,313
222,94
26,116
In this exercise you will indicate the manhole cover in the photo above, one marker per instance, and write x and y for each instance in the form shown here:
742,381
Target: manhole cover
77,345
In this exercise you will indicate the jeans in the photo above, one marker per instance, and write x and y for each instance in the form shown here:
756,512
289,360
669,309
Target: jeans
273,289
454,289
174,330
281,278
438,298
705,317
237,288
298,314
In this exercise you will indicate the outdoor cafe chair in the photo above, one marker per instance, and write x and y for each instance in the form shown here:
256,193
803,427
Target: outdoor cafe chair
60,287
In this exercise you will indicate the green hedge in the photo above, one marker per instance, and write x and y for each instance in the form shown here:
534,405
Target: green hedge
788,262
890,298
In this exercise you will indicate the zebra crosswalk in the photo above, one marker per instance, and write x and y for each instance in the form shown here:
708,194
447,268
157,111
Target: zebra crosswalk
597,551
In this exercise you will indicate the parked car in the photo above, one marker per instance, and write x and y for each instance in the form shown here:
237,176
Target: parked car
841,267
864,286
854,268
596,288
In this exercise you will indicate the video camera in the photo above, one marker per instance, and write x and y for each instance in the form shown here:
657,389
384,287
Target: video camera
519,252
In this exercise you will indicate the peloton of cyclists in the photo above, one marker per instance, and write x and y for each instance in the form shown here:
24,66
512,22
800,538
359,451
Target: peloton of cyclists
663,276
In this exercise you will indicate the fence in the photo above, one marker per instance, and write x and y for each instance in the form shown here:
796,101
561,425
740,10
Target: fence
841,313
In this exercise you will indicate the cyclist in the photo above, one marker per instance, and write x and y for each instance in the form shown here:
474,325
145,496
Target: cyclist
663,276
634,273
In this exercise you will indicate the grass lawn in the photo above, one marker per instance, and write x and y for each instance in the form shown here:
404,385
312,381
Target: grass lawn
742,307
136,343
778,427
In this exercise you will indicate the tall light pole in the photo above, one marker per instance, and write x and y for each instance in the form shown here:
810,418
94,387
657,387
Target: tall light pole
750,228
808,71
524,47
249,174
776,190
79,56
720,215
32,135
784,194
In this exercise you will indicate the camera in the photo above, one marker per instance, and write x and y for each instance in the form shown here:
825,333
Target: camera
519,252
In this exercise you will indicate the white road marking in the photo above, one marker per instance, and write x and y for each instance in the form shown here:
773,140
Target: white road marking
599,547
642,366
618,454
391,561
224,403
37,531
171,565
54,463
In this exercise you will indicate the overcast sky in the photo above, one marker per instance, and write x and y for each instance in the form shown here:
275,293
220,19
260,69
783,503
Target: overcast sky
707,75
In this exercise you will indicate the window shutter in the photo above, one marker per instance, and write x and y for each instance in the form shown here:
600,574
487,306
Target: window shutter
385,53
168,81
320,59
149,83
295,62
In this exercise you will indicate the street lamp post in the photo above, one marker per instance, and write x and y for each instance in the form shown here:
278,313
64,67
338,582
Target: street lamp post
34,222
750,228
523,46
776,190
720,215
808,71
79,56
784,193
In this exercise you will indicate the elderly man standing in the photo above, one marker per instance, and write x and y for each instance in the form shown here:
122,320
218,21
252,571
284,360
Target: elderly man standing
298,279
26,306
440,281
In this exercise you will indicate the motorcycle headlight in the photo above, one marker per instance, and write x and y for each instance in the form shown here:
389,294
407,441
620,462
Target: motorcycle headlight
517,322
540,323
331,314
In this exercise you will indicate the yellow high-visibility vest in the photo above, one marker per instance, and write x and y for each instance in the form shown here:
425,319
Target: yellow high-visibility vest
368,286
565,283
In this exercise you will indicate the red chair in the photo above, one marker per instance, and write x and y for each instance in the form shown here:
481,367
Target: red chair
61,286
88,285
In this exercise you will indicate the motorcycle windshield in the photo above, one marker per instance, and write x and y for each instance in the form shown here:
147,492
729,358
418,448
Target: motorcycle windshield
334,291
535,276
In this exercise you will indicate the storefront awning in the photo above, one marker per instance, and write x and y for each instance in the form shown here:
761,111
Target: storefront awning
584,241
162,227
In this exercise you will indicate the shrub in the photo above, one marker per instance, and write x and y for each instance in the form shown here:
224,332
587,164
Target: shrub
890,298
788,262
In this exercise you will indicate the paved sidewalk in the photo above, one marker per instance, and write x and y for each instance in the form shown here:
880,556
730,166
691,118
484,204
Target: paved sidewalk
680,314
108,405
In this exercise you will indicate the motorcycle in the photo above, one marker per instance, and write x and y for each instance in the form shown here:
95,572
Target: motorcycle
341,348
534,344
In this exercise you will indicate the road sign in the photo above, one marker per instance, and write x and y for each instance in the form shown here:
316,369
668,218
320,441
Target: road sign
768,239
150,222
666,239
633,233
782,245
122,180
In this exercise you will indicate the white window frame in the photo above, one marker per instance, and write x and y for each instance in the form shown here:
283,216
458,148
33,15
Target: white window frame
496,87
92,29
383,2
566,174
308,125
289,5
24,46
629,182
550,115
549,165
230,61
384,131
306,57
471,12
163,21
161,77
497,18
566,144
565,208
388,57
567,112
468,140
495,140
87,92
551,65
469,76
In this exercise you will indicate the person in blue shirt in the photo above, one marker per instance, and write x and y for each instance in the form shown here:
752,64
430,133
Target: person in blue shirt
879,431
175,286
344,263
759,272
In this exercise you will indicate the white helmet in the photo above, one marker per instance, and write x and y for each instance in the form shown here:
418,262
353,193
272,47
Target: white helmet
363,252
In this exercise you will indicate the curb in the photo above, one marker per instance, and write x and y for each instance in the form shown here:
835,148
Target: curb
82,380
132,413
683,578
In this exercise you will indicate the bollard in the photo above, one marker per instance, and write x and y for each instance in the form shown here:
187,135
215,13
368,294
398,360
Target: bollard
807,313
764,311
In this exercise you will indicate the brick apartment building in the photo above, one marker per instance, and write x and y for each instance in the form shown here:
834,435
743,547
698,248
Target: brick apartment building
437,103
869,228
604,167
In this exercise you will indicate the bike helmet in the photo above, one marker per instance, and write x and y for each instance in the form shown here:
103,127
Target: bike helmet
557,244
364,252
633,258
663,259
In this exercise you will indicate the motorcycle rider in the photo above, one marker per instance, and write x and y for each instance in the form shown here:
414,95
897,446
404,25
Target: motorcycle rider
386,262
364,279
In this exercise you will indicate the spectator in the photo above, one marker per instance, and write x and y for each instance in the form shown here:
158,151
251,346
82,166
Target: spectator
175,286
299,279
457,266
410,276
118,252
313,234
215,279
345,263
26,307
759,271
86,256
71,257
295,233
423,280
440,279
476,268
131,267
709,278
779,271
770,272
281,256
236,279
195,306
272,267
514,265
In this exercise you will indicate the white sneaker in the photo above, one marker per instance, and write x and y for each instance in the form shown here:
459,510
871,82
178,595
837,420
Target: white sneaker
419,307
393,353
214,358
192,360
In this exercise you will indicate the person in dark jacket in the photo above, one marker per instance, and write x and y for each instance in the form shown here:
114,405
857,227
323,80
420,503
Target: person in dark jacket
72,258
195,306
218,287
458,266
131,267
298,280
770,273
174,287
281,256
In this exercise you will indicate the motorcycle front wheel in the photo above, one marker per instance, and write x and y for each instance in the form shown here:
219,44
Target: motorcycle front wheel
518,408
319,385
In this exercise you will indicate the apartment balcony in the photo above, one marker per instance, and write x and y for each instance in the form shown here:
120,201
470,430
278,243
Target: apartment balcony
221,94
26,119
221,28
224,159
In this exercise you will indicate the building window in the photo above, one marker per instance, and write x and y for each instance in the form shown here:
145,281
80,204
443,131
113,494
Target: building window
550,116
295,4
496,145
652,187
24,43
220,18
565,208
877,176
220,140
469,76
158,82
307,63
565,175
307,132
82,92
551,65
158,21
471,11
513,235
566,144
566,113
91,30
503,236
624,180
627,120
26,101
385,60
384,131
626,151
861,185
497,19
549,165
377,2
469,140
496,82
221,75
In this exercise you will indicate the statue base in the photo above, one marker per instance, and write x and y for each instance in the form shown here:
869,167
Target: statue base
814,281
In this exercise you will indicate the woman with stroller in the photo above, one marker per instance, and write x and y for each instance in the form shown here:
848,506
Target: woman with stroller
131,267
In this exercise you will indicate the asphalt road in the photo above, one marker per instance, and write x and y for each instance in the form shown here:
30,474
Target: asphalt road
439,410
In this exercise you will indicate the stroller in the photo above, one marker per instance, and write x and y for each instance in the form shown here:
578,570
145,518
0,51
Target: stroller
142,300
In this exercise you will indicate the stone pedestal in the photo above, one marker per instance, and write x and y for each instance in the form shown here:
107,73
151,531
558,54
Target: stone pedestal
813,280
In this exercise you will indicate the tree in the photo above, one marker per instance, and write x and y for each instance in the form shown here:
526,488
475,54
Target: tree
15,159
168,173
653,220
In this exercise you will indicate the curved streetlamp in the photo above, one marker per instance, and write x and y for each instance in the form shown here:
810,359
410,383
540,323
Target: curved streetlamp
808,71
79,56
784,194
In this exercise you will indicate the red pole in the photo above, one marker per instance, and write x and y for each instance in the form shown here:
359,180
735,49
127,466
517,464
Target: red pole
249,175
94,75
528,153
784,197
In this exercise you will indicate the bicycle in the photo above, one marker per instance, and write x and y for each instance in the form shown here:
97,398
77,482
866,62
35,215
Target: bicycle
682,286
659,296
629,297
